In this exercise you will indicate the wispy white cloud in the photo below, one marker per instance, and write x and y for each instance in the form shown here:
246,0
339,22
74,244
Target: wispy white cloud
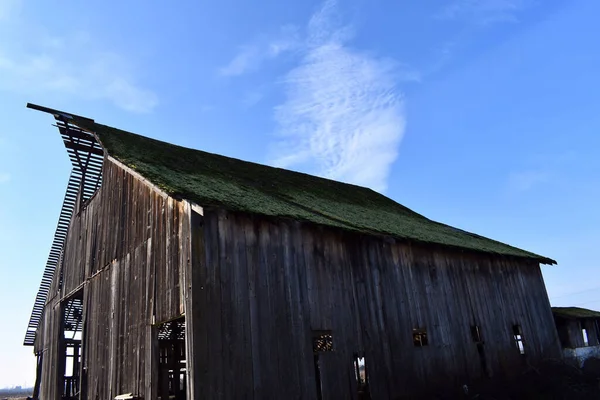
288,39
252,98
443,55
4,177
543,169
250,56
552,159
9,8
247,59
342,117
525,180
206,108
40,64
484,12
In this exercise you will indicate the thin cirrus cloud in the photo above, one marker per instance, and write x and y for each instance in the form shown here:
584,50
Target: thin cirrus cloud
483,12
251,56
34,74
342,116
252,98
8,8
36,63
526,180
4,177
544,169
247,59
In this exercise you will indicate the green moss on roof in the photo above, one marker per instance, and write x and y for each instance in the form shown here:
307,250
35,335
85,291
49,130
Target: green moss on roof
213,180
575,312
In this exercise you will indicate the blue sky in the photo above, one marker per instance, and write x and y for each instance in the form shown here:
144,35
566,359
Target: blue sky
482,114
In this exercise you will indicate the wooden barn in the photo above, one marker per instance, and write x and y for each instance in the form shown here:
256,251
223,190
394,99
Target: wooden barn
176,273
579,333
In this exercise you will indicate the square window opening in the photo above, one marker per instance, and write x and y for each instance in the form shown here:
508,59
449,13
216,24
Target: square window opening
476,334
420,338
322,341
518,338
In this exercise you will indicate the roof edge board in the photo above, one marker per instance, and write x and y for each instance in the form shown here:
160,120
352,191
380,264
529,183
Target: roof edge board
55,112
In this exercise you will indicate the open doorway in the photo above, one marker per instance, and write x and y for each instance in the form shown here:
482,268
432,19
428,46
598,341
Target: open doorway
71,340
172,371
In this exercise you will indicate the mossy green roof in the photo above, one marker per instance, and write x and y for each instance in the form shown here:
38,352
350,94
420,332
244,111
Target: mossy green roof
214,180
575,312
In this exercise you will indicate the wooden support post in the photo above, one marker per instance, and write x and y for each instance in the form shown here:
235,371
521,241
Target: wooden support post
76,370
62,351
164,373
38,376
152,363
173,361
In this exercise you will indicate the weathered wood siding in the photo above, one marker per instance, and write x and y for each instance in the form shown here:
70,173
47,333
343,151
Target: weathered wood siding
266,286
253,291
571,334
128,250
592,327
48,339
51,331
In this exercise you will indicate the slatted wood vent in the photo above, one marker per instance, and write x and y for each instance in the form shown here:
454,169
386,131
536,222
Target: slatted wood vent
87,156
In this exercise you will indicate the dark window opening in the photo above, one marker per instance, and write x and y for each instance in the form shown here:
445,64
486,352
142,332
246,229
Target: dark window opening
478,339
322,343
70,364
420,337
172,371
518,338
476,334
563,333
362,379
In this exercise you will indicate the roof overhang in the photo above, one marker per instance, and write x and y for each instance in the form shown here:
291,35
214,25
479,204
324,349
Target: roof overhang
575,313
87,157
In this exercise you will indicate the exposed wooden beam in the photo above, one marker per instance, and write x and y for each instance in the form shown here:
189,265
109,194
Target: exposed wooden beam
75,133
89,149
56,112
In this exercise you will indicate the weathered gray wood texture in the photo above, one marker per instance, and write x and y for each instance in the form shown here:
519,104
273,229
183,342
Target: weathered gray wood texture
50,330
267,285
570,331
129,250
253,290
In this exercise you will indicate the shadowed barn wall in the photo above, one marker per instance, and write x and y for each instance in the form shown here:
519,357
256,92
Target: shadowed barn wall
268,284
